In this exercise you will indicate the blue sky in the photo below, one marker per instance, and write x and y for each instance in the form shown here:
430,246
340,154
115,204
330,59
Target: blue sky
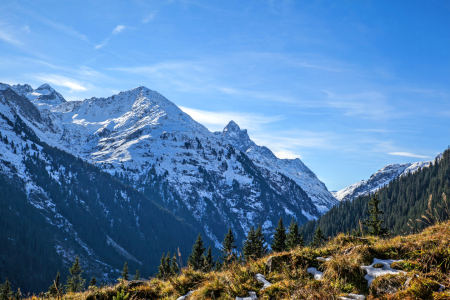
347,86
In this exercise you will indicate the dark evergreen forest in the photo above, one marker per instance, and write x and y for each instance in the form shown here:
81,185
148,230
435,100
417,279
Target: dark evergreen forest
404,199
88,205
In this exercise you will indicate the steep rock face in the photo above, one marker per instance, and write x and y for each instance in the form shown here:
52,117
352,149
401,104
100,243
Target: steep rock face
292,168
44,96
74,209
379,179
146,141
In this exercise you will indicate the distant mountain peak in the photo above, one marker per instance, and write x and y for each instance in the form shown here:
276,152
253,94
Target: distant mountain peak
232,127
45,86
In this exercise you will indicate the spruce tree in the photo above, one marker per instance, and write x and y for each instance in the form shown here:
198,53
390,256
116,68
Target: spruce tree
167,267
6,291
260,245
249,245
318,238
374,223
195,260
174,269
161,270
137,275
293,238
55,288
93,281
279,237
228,247
208,261
125,271
75,283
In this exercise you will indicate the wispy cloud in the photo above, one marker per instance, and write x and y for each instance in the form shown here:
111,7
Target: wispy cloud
7,35
118,29
60,80
148,17
407,154
373,105
61,27
215,121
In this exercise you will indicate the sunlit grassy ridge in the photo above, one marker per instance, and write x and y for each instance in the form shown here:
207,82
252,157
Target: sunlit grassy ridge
426,261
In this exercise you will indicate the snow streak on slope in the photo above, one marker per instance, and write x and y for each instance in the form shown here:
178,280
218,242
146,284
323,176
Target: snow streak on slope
292,168
380,179
148,142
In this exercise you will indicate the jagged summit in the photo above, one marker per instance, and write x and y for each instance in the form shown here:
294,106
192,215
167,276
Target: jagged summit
292,168
44,87
232,127
379,179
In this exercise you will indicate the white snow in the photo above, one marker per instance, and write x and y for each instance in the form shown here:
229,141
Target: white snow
261,278
373,272
380,179
316,273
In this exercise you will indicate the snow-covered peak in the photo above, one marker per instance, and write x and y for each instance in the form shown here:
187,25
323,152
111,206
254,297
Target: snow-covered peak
44,97
292,168
45,88
22,89
233,135
232,127
379,179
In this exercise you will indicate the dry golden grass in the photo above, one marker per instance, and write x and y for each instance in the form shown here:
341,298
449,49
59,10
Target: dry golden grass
426,258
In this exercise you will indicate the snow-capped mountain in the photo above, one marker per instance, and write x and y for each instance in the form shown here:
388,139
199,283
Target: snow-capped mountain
292,168
380,179
211,179
44,96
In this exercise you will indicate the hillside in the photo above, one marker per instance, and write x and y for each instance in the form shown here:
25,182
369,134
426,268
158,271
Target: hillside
403,199
405,267
379,179
147,142
56,206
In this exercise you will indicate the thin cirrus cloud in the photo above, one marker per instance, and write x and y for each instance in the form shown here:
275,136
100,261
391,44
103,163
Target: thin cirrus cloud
63,81
118,29
407,154
215,121
148,18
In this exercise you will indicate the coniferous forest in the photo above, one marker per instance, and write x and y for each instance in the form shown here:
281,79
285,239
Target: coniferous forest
404,201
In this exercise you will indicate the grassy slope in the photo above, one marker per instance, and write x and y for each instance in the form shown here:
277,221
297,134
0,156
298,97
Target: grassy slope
426,258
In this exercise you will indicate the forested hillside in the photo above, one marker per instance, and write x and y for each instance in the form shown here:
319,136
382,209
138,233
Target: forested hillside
405,198
56,206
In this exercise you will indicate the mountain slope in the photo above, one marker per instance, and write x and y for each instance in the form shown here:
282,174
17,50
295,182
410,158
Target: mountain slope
60,206
403,200
292,168
146,141
378,180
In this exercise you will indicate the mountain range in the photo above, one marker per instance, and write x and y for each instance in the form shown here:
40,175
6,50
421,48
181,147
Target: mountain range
380,179
130,176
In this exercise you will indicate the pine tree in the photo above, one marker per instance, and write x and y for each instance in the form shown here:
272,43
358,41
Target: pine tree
248,248
228,247
260,244
161,270
293,238
75,282
55,288
374,223
137,275
279,237
93,281
167,268
208,261
318,238
125,271
174,269
195,260
6,291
